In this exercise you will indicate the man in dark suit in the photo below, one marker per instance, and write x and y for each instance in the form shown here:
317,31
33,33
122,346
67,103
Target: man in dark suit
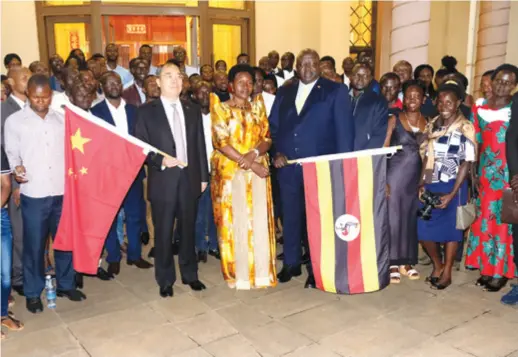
134,94
177,180
511,142
18,78
115,111
370,110
311,116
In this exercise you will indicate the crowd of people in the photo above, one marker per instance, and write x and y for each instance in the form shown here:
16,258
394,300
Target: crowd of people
225,188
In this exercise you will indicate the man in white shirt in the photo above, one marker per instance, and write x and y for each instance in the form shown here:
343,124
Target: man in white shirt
134,94
115,111
205,216
180,55
112,55
146,52
39,166
273,58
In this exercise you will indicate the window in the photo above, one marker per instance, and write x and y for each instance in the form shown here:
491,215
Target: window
363,26
224,4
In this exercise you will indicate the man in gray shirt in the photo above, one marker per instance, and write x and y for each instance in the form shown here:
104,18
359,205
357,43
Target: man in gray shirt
35,149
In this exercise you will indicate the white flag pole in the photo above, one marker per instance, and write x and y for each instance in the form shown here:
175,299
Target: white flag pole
362,153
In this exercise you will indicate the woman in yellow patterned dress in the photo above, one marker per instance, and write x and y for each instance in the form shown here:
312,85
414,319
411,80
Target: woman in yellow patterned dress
241,189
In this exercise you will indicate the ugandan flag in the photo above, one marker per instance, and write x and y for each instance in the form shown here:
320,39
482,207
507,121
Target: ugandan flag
347,223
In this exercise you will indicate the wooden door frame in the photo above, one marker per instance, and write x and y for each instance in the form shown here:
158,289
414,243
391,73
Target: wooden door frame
50,21
243,23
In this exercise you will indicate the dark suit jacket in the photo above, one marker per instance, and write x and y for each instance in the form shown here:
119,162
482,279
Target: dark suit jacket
324,126
132,96
370,120
153,128
8,107
511,139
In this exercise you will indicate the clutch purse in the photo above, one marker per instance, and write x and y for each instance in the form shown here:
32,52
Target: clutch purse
465,216
509,207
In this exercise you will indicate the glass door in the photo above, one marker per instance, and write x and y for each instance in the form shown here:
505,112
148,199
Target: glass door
65,33
229,39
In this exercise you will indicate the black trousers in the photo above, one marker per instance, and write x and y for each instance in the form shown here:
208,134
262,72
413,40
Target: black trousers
164,214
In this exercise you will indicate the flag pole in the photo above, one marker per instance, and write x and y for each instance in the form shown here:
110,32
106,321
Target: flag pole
370,152
98,121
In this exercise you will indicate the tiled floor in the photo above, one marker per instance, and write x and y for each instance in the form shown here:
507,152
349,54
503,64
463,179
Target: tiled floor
127,318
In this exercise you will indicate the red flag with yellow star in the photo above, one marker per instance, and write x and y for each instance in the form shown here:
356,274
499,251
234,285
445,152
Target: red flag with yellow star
101,165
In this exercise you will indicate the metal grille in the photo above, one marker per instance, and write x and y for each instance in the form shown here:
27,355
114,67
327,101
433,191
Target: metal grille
363,26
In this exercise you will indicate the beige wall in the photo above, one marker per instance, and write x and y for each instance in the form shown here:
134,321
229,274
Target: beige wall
19,16
295,25
512,35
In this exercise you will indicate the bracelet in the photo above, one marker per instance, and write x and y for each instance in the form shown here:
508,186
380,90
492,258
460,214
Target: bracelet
256,153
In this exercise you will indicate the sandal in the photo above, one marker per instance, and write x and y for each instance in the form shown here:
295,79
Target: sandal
411,274
395,277
14,325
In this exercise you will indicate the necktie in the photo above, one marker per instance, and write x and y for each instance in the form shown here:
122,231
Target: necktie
301,99
181,150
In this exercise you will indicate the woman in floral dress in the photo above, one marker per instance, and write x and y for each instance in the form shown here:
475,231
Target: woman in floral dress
490,241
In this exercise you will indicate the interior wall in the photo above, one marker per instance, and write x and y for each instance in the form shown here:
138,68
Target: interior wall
512,35
19,16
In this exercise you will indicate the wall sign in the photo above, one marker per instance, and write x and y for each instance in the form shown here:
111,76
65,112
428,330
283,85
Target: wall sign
137,29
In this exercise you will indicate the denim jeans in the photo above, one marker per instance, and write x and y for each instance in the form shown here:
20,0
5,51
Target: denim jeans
205,223
7,250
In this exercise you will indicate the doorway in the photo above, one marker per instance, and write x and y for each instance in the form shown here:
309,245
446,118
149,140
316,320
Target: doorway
65,33
229,39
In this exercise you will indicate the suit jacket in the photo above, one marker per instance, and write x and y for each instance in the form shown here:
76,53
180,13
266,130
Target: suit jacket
153,128
511,139
102,111
324,126
132,96
8,107
370,120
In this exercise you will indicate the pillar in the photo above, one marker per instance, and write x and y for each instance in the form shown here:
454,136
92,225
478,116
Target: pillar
410,32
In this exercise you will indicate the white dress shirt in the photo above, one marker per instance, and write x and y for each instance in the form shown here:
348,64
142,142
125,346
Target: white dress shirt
39,145
168,107
126,76
280,81
288,74
302,88
347,81
268,102
119,116
207,132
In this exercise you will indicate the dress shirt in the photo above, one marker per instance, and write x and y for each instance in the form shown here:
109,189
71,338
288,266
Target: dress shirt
288,74
189,70
119,116
280,81
304,90
268,102
207,132
141,94
347,81
18,101
58,101
38,145
168,106
126,76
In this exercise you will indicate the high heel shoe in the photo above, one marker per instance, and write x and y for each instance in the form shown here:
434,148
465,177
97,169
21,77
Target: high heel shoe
495,284
483,280
440,286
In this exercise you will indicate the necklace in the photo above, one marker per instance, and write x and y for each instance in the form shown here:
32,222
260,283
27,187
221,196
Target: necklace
245,106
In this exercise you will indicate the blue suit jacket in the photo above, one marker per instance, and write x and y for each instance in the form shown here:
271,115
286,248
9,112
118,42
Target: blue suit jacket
102,111
370,120
324,126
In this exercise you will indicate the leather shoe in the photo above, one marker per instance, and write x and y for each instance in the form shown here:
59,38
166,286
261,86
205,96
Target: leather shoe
104,275
151,253
114,268
141,263
288,272
72,295
79,281
167,291
18,289
34,305
195,285
202,257
215,253
144,238
310,283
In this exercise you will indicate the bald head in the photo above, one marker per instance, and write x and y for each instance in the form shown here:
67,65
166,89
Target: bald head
18,77
308,65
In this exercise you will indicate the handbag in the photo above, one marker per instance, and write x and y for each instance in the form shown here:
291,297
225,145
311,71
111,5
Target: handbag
509,207
466,214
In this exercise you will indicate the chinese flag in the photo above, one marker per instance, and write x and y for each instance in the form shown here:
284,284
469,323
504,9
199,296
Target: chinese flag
100,167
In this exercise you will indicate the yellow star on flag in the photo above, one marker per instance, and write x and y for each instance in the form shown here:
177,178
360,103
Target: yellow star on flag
70,172
78,141
83,171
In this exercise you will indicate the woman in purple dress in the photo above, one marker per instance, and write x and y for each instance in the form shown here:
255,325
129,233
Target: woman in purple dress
404,168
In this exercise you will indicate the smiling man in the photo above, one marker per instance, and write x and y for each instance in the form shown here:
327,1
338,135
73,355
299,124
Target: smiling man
134,94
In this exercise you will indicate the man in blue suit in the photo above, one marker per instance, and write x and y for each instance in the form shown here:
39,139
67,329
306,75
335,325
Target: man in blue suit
311,116
370,110
117,112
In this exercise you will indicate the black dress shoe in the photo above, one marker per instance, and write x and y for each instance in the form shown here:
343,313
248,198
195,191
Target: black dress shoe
495,284
167,291
141,263
310,283
280,256
34,305
79,281
215,253
72,295
288,272
176,248
202,257
114,268
483,280
18,289
144,238
151,253
104,275
195,285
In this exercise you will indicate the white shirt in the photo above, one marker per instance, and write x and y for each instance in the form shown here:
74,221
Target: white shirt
18,101
268,102
59,99
141,94
126,76
152,70
303,86
168,107
280,81
119,116
347,81
288,74
39,145
207,132
189,70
